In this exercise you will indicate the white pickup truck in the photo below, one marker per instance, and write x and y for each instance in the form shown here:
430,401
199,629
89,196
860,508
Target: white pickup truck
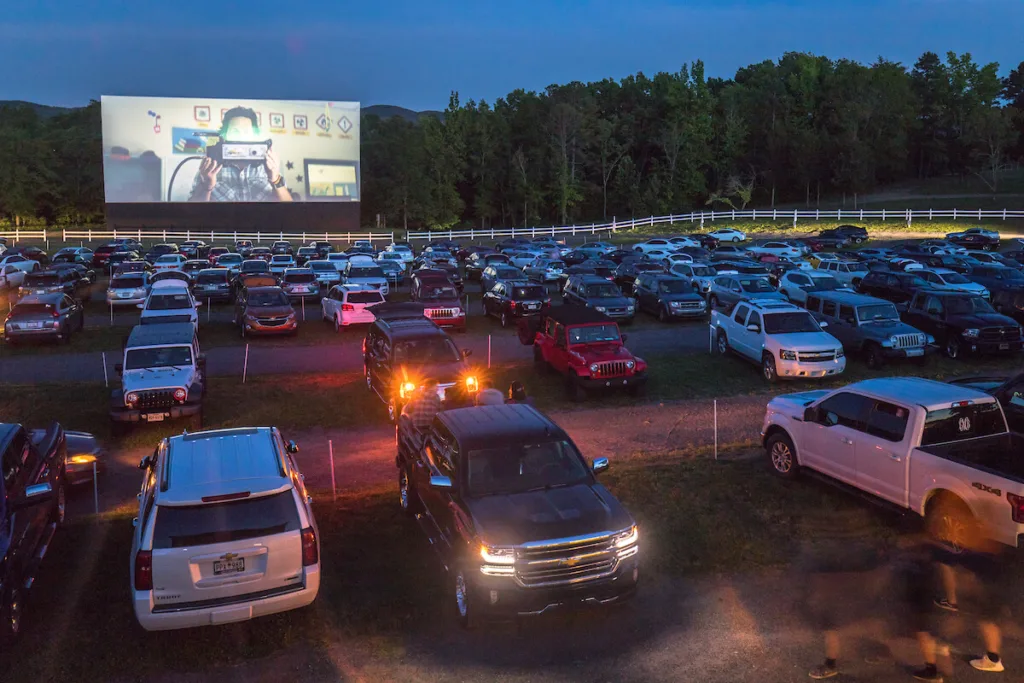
784,339
938,450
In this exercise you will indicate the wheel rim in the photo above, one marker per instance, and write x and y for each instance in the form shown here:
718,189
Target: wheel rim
952,532
782,457
723,344
337,325
403,490
952,348
369,381
769,369
392,409
61,503
14,615
461,595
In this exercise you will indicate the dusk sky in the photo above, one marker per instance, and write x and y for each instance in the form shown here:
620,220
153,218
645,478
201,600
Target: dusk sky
66,52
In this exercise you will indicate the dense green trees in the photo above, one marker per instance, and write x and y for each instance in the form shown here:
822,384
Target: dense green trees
794,130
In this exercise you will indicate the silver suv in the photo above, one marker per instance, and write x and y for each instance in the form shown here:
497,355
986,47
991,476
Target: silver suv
225,531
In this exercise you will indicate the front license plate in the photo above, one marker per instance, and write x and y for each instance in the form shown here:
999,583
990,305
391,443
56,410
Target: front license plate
914,352
155,417
229,566
1004,347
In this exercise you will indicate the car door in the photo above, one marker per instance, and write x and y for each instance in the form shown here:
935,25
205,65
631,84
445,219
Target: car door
331,303
831,443
739,336
844,326
881,450
492,298
641,293
559,352
441,458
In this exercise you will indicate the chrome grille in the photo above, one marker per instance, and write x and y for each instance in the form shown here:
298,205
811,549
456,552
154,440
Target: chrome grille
441,313
614,368
565,562
271,322
148,400
999,334
909,341
816,356
689,306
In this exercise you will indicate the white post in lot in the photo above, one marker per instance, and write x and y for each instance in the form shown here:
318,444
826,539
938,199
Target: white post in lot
245,364
95,490
716,429
330,453
207,309
711,338
303,309
488,352
111,314
104,355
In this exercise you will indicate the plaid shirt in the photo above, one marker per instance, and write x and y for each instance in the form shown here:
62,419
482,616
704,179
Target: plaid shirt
423,408
248,183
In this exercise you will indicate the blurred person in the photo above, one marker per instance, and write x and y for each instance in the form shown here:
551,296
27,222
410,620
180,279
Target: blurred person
419,413
517,394
916,576
239,181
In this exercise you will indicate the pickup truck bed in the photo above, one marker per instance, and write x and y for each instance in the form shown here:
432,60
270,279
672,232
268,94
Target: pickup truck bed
1001,455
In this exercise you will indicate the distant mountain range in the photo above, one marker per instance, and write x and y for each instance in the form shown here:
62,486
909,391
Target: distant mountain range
384,111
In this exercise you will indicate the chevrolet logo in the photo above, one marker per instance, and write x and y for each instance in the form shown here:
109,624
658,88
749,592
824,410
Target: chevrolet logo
230,556
570,562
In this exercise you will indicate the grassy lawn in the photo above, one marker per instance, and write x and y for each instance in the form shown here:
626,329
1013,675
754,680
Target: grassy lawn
381,580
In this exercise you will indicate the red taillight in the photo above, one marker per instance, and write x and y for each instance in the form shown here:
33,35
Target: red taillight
1016,507
364,345
512,306
310,553
179,395
55,314
349,307
144,570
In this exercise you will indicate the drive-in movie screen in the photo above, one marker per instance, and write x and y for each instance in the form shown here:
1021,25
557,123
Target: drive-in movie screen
158,149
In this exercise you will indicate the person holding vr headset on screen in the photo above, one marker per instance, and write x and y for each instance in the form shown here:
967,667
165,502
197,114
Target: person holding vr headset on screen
239,168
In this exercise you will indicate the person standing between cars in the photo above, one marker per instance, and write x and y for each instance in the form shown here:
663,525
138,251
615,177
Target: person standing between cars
517,394
916,578
419,413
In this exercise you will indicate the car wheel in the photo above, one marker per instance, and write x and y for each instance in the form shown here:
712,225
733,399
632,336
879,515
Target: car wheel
723,342
60,507
408,499
782,456
663,315
504,319
873,356
949,521
392,410
713,301
768,369
337,324
463,601
953,348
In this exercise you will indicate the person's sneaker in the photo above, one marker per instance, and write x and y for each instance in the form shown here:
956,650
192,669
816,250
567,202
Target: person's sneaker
986,664
928,674
946,605
823,671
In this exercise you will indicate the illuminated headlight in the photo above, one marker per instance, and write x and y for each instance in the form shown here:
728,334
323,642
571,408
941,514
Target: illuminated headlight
406,389
787,355
986,294
675,304
599,309
971,333
180,394
630,365
627,538
131,398
891,341
630,307
497,561
593,367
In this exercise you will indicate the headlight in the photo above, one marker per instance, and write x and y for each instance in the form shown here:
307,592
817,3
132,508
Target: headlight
131,398
406,389
840,353
627,538
599,309
630,365
593,367
180,394
785,354
971,333
986,294
503,556
929,339
893,340
630,307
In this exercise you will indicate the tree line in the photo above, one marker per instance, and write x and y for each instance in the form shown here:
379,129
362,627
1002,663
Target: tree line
791,130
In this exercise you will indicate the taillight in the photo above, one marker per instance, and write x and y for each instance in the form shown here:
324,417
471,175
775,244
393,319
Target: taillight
1016,507
512,306
55,314
144,570
310,553
349,307
179,394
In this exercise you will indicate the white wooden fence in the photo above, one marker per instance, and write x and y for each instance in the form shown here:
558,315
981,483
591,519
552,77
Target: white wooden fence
18,234
703,217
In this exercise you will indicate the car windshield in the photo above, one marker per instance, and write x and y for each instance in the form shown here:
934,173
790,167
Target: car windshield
957,423
593,334
426,351
160,357
267,299
1012,274
603,291
299,278
168,302
954,279
213,278
366,272
126,283
789,323
968,305
307,251
508,274
438,292
522,467
170,258
703,271
674,287
756,285
373,297
529,292
877,312
41,280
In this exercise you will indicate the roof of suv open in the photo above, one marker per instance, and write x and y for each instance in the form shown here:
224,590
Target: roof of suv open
221,462
161,334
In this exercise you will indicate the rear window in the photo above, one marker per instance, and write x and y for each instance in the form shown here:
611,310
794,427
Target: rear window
180,527
366,272
374,297
300,278
31,309
160,320
959,423
126,283
530,292
167,302
41,280
255,267
212,278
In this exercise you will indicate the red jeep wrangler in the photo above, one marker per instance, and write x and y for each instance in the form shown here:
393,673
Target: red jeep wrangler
585,346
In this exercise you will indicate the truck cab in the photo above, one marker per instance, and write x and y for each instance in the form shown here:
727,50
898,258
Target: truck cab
162,376
477,485
585,347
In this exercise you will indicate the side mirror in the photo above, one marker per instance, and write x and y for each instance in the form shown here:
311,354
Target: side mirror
441,483
753,328
292,447
35,494
140,306
624,337
823,324
201,359
599,465
119,368
810,414
146,462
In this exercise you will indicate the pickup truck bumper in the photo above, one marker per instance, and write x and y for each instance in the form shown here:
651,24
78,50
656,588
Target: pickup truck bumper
503,596
594,383
995,347
792,369
125,414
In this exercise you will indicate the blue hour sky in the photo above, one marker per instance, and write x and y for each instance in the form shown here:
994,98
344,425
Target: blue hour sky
65,52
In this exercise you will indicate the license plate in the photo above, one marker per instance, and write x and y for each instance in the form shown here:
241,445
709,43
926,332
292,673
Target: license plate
1004,347
229,566
155,417
34,325
124,295
914,352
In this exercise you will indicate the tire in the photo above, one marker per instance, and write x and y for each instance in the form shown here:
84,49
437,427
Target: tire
873,356
573,390
722,342
768,369
949,521
663,315
504,320
408,499
337,325
462,595
953,347
712,301
782,456
393,411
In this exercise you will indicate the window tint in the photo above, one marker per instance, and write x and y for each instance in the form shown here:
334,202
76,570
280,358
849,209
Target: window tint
958,423
741,314
755,319
374,297
813,303
180,527
828,308
846,313
845,410
888,421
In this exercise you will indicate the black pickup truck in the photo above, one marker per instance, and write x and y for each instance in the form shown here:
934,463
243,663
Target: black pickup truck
516,514
32,505
1008,391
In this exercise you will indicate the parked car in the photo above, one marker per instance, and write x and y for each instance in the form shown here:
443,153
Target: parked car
628,271
194,249
82,255
253,266
11,277
601,269
163,377
192,267
597,249
281,262
595,292
669,297
103,252
996,279
575,257
18,261
976,238
1010,302
158,250
213,285
197,556
870,327
786,341
261,253
33,500
169,262
700,276
128,289
68,282
170,301
404,253
116,260
510,300
32,254
84,452
657,244
850,233
306,254
848,273
282,247
326,273
491,275
951,281
347,305
949,248
477,262
137,266
394,271
368,273
478,476
775,249
300,283
262,310
962,323
877,253
728,235
232,261
957,264
403,349
895,287
243,248
943,451
440,300
44,316
728,290
796,285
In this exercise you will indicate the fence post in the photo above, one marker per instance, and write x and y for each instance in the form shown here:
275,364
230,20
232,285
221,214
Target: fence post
1004,214
794,218
862,214
330,454
165,235
775,214
910,217
106,383
954,214
245,364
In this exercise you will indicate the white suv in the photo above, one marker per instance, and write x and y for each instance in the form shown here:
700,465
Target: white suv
225,531
348,305
169,301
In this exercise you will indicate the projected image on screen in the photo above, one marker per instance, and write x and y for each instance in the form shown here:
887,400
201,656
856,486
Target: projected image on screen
210,150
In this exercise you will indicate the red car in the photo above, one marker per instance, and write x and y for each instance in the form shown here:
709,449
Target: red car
439,297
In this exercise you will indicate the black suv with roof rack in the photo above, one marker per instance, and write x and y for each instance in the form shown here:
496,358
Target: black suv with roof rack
403,348
519,520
